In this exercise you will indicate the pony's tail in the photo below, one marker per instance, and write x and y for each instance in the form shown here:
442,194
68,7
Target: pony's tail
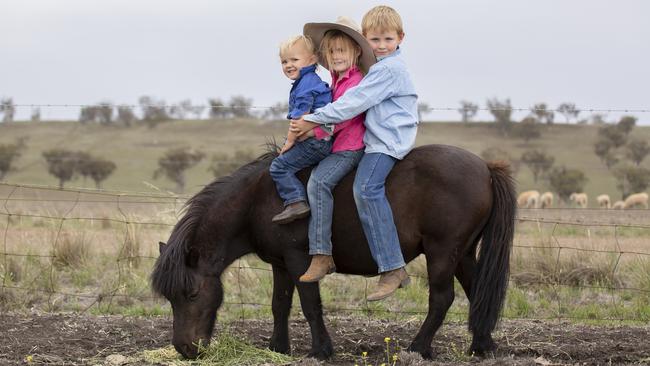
490,280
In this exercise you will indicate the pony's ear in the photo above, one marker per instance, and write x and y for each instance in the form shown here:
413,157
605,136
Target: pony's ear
192,258
161,246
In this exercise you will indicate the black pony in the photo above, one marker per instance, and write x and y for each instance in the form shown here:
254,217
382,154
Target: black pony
445,200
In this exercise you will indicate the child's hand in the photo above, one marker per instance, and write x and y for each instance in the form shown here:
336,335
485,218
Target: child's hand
306,135
287,145
300,126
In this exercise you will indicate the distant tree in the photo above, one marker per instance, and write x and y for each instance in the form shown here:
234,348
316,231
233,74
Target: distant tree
467,110
8,109
566,181
502,112
240,106
277,111
528,129
637,150
153,111
62,164
125,116
180,110
423,108
631,179
538,162
598,119
36,115
175,162
626,124
569,111
83,162
541,111
218,109
105,113
605,151
197,110
613,134
100,169
498,154
89,114
8,154
223,164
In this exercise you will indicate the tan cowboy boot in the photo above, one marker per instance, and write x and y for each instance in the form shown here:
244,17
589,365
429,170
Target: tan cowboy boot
389,282
293,211
320,266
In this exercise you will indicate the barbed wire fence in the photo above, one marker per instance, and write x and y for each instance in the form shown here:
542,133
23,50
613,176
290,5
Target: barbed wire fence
92,251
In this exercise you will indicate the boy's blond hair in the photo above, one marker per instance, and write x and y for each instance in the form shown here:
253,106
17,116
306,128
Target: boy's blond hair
382,18
292,41
338,38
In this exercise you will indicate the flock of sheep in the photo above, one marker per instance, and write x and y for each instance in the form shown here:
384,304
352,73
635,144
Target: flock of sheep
532,199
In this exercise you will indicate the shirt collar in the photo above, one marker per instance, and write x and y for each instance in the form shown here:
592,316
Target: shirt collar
348,73
307,69
396,53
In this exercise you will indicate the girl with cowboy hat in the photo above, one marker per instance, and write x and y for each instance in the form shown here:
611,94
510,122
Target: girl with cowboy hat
348,56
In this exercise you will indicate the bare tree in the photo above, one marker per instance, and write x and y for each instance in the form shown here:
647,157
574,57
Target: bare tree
502,112
423,108
125,115
467,110
175,162
8,109
218,109
197,110
541,111
277,111
569,110
153,111
240,106
105,113
36,115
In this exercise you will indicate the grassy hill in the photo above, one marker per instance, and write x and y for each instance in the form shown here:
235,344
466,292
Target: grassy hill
136,150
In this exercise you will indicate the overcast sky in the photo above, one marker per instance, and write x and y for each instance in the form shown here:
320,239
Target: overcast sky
594,53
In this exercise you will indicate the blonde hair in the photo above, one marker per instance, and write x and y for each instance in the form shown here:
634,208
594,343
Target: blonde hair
382,18
292,41
334,39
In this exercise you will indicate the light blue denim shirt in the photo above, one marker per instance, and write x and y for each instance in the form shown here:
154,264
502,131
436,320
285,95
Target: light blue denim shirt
388,96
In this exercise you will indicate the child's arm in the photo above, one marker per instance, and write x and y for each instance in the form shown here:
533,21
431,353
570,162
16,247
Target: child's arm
291,140
374,88
300,126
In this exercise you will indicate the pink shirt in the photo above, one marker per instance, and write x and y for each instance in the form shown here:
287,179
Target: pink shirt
348,135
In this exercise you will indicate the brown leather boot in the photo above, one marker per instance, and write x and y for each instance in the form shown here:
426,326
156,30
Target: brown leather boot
320,266
293,211
389,282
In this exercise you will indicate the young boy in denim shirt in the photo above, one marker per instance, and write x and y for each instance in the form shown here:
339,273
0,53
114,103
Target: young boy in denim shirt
388,96
298,58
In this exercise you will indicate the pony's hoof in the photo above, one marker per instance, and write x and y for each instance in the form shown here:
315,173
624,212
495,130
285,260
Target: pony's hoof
279,347
482,347
425,352
322,353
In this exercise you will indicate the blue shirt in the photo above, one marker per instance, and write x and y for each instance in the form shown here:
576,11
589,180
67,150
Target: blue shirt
308,93
388,96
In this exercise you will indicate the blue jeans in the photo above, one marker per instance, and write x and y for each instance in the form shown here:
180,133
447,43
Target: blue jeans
324,178
375,212
284,167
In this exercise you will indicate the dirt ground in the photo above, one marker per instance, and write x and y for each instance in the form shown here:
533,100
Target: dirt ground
72,339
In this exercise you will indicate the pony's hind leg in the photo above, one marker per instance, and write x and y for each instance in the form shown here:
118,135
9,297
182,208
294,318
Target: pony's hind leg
441,294
283,288
481,344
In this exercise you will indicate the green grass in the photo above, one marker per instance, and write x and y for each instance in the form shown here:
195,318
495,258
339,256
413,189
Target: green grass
136,150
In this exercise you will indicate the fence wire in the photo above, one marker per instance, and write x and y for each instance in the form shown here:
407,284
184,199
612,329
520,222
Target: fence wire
86,250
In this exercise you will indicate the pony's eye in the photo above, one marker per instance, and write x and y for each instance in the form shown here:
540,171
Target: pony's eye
193,296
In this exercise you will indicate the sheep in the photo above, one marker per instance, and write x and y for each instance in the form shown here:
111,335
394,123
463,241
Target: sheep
640,199
580,199
528,199
603,201
546,200
618,205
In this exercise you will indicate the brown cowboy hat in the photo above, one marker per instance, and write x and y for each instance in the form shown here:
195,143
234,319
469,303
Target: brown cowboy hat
316,31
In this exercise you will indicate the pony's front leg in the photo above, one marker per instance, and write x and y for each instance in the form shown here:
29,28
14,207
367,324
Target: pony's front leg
283,287
321,344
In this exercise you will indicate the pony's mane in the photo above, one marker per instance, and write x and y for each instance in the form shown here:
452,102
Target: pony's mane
171,276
